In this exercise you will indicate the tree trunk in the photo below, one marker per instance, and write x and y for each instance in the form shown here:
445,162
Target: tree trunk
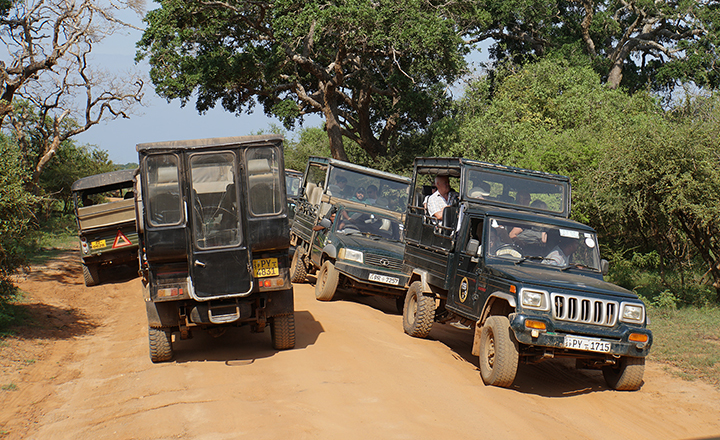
332,124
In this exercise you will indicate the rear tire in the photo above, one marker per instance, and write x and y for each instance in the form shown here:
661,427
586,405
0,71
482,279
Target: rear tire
282,331
418,312
160,344
498,352
298,272
91,274
327,282
626,375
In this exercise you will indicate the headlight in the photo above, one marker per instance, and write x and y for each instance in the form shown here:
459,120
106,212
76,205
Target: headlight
350,254
634,313
534,299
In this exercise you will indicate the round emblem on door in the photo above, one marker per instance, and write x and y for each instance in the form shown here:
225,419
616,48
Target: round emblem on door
463,290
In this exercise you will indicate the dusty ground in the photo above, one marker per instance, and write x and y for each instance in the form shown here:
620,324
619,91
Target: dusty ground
84,372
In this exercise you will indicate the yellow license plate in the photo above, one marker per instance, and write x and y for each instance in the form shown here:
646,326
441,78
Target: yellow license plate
265,267
97,244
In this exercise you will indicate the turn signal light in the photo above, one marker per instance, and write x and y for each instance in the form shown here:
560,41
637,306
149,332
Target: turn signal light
513,289
531,323
638,337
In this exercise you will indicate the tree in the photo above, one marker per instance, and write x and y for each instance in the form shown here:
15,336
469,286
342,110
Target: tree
633,42
49,43
372,69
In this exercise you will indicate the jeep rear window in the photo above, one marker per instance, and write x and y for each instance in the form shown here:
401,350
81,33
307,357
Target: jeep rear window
164,202
266,194
518,191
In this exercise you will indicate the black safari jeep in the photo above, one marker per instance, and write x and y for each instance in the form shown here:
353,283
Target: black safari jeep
293,182
507,261
213,227
348,226
105,215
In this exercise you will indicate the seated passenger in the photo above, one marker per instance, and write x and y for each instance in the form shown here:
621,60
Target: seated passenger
560,255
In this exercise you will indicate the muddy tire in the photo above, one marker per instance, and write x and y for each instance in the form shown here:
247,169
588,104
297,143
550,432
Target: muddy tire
282,332
498,352
91,275
160,345
418,312
626,375
298,271
327,282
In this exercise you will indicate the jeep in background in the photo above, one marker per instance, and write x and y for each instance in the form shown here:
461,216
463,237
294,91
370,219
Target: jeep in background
348,229
213,228
293,183
105,216
507,261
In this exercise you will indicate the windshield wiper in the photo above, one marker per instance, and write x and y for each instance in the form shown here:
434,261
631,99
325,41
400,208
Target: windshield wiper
578,266
529,257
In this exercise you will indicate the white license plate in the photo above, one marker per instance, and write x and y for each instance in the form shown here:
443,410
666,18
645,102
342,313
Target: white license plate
384,279
586,344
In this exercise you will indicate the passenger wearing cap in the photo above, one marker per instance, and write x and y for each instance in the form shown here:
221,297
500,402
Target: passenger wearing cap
480,190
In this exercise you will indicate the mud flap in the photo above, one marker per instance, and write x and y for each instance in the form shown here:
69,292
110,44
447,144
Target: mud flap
161,314
280,303
476,339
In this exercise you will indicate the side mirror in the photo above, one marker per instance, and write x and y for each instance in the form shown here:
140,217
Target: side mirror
450,216
325,222
472,247
604,266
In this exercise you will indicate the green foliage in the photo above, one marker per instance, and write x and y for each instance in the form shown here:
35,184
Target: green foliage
72,162
374,70
17,222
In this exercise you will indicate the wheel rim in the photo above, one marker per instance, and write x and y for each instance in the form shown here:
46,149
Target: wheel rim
412,305
323,278
490,351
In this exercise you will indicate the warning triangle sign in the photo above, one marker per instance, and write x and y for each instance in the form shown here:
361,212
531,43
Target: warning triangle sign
121,240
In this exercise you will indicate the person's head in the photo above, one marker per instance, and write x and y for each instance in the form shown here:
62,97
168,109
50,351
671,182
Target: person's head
523,198
360,193
341,181
372,192
568,245
443,184
539,204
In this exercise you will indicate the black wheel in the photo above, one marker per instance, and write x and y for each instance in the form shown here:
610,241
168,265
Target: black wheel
327,282
498,352
282,331
626,374
418,312
91,275
298,272
160,344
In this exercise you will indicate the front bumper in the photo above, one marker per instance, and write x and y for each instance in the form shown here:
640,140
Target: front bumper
360,273
554,336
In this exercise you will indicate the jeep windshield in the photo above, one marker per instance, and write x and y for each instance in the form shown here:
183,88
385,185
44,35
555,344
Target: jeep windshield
370,189
351,222
541,243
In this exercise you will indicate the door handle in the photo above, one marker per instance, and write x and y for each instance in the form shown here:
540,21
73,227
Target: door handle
199,263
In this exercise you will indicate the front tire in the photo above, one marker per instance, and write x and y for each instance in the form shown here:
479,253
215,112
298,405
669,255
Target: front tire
298,271
498,352
327,282
626,375
91,274
282,331
160,344
419,312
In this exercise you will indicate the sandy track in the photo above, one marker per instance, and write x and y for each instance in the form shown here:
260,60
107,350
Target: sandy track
353,375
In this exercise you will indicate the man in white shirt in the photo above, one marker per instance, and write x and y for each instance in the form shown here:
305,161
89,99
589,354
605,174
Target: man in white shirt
560,255
440,198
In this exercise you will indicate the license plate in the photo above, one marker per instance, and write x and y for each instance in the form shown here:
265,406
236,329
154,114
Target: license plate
586,344
99,244
384,279
265,267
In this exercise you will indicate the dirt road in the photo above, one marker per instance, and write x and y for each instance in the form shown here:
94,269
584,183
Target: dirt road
85,373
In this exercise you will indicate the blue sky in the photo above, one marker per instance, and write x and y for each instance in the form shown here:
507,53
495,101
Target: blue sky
160,120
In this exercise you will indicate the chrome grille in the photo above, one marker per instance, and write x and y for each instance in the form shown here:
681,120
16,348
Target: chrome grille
584,310
384,261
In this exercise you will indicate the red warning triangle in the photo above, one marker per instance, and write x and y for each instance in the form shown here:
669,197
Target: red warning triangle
121,240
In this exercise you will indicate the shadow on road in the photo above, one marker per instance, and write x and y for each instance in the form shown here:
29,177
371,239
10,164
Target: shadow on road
551,378
43,321
239,346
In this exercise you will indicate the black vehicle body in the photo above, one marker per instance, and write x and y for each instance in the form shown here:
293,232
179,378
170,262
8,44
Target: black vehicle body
213,228
492,265
368,257
106,228
293,182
